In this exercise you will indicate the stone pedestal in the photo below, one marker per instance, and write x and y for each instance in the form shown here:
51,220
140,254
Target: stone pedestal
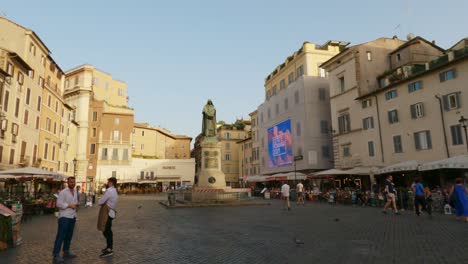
211,176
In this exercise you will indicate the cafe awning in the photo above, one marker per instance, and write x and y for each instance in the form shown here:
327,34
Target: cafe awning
33,172
256,178
362,171
287,176
457,162
410,165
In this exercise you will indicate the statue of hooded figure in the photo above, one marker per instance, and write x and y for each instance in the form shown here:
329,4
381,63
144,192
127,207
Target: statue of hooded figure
209,120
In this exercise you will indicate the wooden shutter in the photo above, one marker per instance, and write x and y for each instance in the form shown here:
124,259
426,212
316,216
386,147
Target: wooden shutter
417,143
429,141
413,111
458,98
445,103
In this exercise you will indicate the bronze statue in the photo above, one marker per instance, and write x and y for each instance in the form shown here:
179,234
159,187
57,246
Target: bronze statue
209,120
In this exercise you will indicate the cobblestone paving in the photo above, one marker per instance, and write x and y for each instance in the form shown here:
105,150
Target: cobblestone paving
264,234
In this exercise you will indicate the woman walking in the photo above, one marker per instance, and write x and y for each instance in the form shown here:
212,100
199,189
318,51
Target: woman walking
459,193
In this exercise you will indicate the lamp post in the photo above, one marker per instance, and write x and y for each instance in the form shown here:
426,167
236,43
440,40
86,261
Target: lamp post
464,123
74,167
296,158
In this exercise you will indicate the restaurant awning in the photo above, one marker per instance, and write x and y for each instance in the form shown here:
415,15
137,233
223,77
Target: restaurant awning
287,176
256,178
33,172
331,172
457,162
148,182
410,165
362,171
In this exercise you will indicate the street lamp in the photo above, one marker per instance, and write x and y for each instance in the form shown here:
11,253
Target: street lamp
74,167
464,123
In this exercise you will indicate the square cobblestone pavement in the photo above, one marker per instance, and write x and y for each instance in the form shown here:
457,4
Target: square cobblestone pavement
257,234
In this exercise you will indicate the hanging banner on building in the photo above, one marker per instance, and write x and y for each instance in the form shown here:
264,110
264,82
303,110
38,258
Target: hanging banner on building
280,145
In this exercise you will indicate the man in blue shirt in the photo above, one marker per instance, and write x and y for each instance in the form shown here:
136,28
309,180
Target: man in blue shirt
419,197
390,192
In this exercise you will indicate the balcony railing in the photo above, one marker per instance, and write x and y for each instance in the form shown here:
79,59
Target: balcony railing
461,53
439,61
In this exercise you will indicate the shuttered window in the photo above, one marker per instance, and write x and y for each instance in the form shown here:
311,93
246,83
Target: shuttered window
422,140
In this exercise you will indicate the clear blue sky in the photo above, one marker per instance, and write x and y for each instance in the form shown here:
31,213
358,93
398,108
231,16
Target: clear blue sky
174,55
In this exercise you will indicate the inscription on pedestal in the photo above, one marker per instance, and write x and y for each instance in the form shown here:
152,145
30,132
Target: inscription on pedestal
211,159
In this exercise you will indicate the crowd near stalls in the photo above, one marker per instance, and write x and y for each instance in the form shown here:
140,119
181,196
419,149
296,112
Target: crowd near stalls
25,192
365,185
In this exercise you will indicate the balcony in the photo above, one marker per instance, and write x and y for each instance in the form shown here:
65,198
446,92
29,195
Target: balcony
438,62
460,53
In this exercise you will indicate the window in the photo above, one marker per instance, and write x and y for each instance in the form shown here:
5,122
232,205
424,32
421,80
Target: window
277,109
42,60
326,152
115,154
451,101
227,157
31,74
37,122
49,101
94,132
28,96
12,156
77,80
125,154
342,84
53,152
417,110
291,78
296,97
324,126
368,123
274,90
391,94
142,133
393,116
10,69
456,132
366,103
94,116
142,147
227,135
5,101
56,106
47,125
298,129
120,92
92,149
46,150
116,135
322,94
104,154
41,82
32,49
38,103
117,121
370,148
26,114
422,140
322,73
228,146
20,78
447,75
344,123
1,153
346,151
17,107
55,128
398,57
142,175
300,71
414,86
95,81
282,84
369,55
286,104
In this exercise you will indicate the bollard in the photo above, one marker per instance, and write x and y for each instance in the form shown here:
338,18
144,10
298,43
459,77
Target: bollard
171,198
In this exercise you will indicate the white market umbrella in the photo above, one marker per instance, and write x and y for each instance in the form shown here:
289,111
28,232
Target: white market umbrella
457,162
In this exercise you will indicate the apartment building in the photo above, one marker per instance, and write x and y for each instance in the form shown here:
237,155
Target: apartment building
157,143
297,100
104,121
33,108
394,101
228,136
255,164
245,147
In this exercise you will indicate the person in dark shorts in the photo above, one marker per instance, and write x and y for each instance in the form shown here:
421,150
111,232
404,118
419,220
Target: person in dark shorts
419,196
300,193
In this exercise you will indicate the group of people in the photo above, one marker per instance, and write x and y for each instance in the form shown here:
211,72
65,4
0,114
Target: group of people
457,197
67,203
286,192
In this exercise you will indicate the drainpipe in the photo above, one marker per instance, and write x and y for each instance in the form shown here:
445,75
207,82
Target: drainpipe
380,129
443,124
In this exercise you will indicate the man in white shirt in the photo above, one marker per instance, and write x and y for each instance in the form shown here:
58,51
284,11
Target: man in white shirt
67,202
285,195
110,199
300,193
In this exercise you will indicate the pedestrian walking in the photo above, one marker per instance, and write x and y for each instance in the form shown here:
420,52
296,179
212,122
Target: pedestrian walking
300,193
429,200
107,214
285,195
390,192
67,203
419,196
459,194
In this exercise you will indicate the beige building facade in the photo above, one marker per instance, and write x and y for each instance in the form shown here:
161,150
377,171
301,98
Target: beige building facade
156,143
407,107
297,92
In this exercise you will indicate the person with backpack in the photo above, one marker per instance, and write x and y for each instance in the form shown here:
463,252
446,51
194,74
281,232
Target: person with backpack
419,196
